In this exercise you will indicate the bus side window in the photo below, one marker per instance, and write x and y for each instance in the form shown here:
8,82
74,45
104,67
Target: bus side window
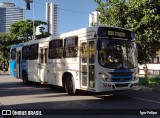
13,54
25,53
70,47
41,56
84,52
55,49
45,54
91,52
33,52
60,49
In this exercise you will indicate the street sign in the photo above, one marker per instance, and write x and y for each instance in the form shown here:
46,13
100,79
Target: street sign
41,29
38,31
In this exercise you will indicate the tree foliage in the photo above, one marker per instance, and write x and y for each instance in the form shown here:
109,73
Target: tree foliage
5,44
19,32
140,16
112,12
23,29
3,37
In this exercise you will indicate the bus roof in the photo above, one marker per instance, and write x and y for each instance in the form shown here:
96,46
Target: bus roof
63,35
88,29
68,34
17,45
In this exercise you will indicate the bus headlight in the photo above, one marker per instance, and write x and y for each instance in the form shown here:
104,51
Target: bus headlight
104,77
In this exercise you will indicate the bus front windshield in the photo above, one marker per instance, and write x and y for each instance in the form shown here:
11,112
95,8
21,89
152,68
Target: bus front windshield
116,53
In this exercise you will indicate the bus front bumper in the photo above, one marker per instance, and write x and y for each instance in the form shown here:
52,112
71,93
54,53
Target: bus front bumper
113,86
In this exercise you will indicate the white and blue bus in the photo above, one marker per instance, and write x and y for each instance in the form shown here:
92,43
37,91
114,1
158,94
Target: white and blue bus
15,63
95,59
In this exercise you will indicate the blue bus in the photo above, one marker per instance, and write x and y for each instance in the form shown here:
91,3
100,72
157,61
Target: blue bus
16,63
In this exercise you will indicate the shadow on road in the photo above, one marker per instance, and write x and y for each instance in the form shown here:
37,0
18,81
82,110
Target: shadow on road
18,89
52,100
14,87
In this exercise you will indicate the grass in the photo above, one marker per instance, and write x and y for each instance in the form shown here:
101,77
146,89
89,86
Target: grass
143,81
149,81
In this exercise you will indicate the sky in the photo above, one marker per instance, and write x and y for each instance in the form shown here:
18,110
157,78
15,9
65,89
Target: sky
73,14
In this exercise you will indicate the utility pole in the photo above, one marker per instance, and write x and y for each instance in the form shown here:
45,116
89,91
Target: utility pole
28,8
33,37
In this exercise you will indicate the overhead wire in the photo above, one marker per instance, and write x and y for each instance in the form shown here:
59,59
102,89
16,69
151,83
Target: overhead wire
66,10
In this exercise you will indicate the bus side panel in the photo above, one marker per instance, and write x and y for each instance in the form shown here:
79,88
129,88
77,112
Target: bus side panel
51,75
33,70
24,67
12,67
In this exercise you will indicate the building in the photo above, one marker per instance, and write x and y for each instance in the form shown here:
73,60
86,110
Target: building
93,18
52,18
9,14
152,67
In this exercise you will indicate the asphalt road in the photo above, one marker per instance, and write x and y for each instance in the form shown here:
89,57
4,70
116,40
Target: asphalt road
52,100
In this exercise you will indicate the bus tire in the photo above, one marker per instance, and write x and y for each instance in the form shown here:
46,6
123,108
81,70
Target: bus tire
25,78
69,85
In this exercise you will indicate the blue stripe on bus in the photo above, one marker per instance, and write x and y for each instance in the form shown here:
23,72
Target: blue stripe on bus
12,67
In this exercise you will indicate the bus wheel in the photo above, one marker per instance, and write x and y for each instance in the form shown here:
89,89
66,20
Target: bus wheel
25,78
69,86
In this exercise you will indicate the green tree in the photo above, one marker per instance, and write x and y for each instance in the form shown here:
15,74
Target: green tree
112,12
140,16
5,44
4,49
4,55
19,32
21,29
144,19
24,29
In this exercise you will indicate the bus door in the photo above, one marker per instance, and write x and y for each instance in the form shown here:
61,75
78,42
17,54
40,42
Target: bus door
87,64
43,64
18,63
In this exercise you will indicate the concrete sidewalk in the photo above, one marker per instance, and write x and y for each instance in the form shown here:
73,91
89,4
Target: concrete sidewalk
146,88
4,73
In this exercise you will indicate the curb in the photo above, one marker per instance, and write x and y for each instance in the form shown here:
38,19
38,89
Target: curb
1,111
155,90
4,73
145,88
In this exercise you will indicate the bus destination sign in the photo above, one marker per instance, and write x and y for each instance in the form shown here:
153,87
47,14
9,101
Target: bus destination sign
115,33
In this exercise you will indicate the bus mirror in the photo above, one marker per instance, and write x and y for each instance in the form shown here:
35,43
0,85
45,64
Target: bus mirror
99,45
